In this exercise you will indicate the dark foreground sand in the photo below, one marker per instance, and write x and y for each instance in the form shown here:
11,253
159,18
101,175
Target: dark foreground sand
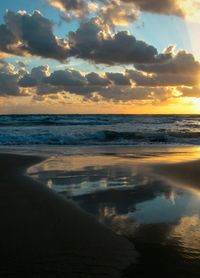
42,235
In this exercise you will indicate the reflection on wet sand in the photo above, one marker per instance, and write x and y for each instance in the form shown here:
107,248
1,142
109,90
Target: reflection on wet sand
123,224
187,234
152,200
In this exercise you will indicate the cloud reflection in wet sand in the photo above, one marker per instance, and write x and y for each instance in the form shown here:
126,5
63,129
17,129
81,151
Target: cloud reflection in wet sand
161,219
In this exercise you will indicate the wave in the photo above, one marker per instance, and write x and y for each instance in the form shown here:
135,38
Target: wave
104,137
93,120
99,129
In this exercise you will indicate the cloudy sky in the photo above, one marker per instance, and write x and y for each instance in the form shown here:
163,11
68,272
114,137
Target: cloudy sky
100,56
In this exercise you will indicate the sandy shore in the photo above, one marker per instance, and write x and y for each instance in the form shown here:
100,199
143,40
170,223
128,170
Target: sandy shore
43,235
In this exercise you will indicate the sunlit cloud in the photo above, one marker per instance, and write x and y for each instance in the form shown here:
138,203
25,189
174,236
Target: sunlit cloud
191,9
26,34
72,8
117,13
122,12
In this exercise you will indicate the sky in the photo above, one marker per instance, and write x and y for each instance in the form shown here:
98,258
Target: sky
100,56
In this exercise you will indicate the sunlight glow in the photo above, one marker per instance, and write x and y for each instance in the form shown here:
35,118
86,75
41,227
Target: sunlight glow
191,9
196,103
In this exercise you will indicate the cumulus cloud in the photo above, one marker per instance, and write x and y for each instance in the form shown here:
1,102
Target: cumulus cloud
121,12
178,69
167,7
117,13
168,79
24,34
157,82
118,79
113,12
34,78
66,78
71,8
186,9
181,62
96,80
9,77
139,94
92,43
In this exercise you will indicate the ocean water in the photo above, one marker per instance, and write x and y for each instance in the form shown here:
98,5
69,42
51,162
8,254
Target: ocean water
101,130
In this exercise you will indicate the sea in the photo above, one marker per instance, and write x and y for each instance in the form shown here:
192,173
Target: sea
99,129
102,164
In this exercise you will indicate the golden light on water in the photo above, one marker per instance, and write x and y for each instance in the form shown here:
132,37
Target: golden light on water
187,232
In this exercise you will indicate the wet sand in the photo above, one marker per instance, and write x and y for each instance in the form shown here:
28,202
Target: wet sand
43,235
183,174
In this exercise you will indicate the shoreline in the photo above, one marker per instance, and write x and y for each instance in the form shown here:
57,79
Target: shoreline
43,235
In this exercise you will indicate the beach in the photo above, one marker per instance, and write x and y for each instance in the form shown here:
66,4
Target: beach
100,139
147,195
43,235
87,196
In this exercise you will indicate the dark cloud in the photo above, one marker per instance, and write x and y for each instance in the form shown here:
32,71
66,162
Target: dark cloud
130,85
118,78
27,81
24,34
167,7
90,42
70,4
182,62
92,86
138,93
62,80
178,69
9,80
71,8
66,78
95,79
9,86
36,77
168,79
7,39
74,82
